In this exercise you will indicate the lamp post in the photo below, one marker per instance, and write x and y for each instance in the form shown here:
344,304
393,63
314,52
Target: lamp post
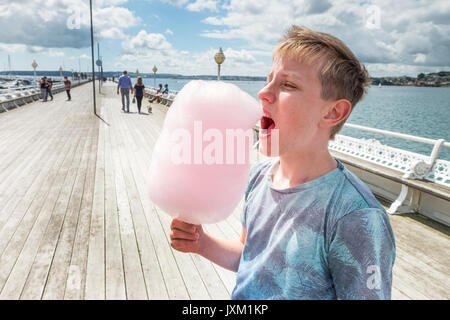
220,58
60,71
99,64
92,56
154,75
34,65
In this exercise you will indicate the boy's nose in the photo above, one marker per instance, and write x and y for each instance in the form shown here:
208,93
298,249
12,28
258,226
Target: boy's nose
266,95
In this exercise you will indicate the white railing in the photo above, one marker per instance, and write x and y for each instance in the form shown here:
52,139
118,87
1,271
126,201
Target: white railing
18,98
413,165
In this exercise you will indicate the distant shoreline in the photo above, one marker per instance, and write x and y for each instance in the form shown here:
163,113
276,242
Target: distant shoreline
435,79
110,74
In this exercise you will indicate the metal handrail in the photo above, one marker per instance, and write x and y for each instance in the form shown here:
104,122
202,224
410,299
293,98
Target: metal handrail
56,88
396,134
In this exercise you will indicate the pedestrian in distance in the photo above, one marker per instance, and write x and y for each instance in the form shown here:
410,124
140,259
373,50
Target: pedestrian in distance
49,88
67,85
125,85
139,93
43,86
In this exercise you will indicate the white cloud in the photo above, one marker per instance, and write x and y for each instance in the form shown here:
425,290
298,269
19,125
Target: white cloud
144,42
112,33
61,23
409,33
55,53
177,3
168,31
200,5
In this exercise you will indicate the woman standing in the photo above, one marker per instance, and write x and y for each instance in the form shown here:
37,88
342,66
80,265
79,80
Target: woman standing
43,86
139,92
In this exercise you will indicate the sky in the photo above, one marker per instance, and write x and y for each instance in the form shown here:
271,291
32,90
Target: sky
392,38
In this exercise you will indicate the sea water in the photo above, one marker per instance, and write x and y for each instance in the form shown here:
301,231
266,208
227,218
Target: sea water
419,111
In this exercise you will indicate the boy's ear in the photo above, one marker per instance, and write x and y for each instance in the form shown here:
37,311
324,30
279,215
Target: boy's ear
337,112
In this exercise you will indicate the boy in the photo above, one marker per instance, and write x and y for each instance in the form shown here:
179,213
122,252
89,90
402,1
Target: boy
311,229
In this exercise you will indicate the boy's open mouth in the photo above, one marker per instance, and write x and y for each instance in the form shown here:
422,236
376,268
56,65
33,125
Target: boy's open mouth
267,124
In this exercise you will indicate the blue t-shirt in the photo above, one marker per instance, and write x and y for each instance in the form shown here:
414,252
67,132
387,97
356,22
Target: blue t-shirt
325,239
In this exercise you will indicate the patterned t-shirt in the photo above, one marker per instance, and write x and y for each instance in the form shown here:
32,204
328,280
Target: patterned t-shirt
327,238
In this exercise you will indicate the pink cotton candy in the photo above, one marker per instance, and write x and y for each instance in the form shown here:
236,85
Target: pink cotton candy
200,163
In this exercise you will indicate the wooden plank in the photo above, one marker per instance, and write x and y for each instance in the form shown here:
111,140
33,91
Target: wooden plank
76,278
23,178
154,280
37,221
22,151
135,284
35,196
95,270
37,267
56,280
114,269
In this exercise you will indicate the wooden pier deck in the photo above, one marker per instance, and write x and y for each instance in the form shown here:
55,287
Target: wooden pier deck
76,222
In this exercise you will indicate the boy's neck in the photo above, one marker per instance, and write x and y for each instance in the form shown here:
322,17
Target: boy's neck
298,168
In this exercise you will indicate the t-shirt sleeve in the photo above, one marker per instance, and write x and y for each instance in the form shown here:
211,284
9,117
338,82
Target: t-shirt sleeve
361,255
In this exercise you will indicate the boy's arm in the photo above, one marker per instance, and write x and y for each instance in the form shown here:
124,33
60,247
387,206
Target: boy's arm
187,237
361,255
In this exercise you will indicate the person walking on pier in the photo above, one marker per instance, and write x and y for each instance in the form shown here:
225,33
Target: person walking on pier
125,86
49,88
43,86
67,85
139,93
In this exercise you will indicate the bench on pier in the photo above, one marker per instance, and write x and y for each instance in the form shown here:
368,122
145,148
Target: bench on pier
166,99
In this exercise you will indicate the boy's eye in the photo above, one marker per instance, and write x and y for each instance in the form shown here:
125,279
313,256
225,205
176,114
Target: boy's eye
288,85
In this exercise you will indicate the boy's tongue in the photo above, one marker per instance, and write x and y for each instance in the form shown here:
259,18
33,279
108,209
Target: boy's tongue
267,123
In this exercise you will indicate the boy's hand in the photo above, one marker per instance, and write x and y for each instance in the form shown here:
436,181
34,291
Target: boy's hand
185,237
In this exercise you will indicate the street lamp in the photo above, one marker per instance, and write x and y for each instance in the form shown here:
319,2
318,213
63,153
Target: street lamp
220,58
60,71
154,75
34,65
92,56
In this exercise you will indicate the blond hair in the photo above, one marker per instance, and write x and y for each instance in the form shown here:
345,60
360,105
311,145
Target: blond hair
341,74
139,81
